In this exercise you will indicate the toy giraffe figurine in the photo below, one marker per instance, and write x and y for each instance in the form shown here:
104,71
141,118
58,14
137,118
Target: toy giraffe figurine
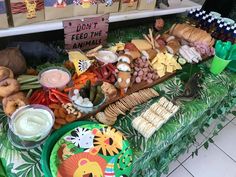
31,9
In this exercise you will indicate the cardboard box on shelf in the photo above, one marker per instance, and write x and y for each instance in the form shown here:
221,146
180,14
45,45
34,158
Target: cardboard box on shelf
108,6
25,12
128,5
3,15
84,7
146,4
55,9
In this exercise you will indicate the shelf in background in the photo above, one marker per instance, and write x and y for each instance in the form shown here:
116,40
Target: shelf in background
184,6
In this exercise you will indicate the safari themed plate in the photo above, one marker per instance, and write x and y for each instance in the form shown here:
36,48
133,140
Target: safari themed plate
91,150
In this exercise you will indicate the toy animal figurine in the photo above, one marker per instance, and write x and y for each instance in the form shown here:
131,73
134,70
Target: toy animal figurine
109,2
165,2
192,89
60,4
31,9
36,53
124,73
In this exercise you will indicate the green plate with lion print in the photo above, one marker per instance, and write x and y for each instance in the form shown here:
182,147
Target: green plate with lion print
91,150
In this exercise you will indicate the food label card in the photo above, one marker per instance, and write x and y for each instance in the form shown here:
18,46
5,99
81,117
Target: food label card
86,33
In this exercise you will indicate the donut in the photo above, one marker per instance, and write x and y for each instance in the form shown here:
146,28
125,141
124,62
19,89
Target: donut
13,102
8,86
5,73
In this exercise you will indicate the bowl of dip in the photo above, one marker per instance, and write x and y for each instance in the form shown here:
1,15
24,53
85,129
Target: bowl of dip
32,122
54,77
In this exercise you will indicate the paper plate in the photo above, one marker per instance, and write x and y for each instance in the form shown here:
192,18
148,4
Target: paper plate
51,141
91,150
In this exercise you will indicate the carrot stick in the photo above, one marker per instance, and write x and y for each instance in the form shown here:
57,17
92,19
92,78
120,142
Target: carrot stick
68,89
74,76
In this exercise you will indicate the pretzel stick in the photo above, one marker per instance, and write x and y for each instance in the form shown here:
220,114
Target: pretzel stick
158,36
145,36
95,49
151,36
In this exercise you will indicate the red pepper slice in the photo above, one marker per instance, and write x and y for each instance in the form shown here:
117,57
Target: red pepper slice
52,97
61,99
35,98
38,99
59,93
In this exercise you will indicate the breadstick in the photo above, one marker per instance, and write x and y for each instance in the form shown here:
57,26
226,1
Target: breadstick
151,36
95,49
145,36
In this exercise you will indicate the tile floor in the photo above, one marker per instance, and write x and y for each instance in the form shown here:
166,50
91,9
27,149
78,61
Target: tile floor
219,160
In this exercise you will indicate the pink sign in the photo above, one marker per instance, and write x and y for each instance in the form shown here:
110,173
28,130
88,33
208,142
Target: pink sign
86,33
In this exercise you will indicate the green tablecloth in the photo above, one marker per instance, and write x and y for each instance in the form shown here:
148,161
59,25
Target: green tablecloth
151,157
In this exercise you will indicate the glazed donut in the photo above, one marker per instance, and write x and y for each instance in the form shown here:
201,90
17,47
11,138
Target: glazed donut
8,86
5,73
13,102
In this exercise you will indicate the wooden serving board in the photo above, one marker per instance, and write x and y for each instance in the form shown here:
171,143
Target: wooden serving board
135,87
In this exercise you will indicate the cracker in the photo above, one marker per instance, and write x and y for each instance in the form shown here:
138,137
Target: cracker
143,93
137,98
136,122
142,98
169,106
122,107
155,93
124,103
142,125
109,117
134,99
175,109
109,113
102,118
148,93
150,132
162,100
146,128
129,103
118,109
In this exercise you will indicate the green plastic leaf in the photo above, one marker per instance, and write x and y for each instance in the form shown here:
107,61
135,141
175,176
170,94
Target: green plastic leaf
219,126
192,154
19,173
196,152
27,159
211,140
206,125
219,111
214,116
201,130
215,133
206,145
37,171
234,113
23,167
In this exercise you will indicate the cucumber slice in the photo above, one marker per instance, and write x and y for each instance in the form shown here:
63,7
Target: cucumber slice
182,61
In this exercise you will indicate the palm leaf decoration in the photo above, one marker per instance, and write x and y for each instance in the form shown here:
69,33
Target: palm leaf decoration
6,148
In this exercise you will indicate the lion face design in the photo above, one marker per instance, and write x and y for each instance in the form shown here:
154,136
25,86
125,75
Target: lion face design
87,168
